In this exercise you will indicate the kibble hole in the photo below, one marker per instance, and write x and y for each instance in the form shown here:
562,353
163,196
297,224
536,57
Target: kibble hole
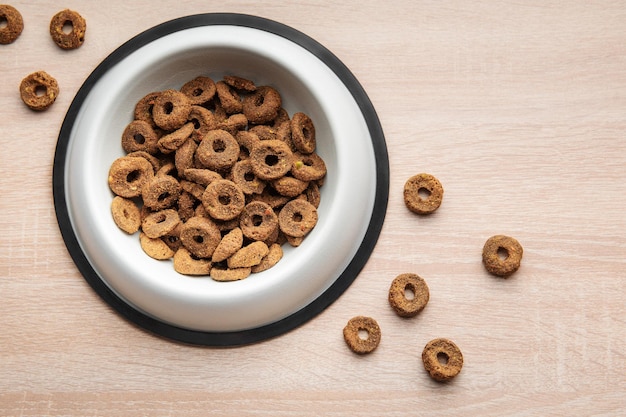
68,27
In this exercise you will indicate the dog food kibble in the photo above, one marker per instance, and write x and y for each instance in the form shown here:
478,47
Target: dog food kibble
126,214
502,255
213,180
39,90
14,24
408,294
442,359
423,193
77,27
362,334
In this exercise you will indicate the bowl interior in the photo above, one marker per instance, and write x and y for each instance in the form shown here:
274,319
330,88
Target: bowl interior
306,84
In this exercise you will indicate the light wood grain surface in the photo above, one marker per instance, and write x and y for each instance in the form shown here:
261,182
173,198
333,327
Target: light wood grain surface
519,108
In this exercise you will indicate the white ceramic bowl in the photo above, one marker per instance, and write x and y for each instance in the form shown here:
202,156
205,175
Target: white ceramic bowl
308,278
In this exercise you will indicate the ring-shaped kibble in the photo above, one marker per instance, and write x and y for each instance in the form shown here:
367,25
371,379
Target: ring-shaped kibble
271,159
442,359
243,175
297,218
77,24
161,192
128,175
126,214
229,98
14,24
39,90
171,110
263,105
160,223
140,136
203,121
303,133
418,292
218,150
223,200
199,90
358,343
200,236
308,167
258,221
502,255
145,105
426,185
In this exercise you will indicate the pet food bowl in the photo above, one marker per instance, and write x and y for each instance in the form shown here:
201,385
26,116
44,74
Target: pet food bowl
199,310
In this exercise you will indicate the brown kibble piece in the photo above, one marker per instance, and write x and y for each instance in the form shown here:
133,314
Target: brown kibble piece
303,133
39,90
416,286
502,255
174,140
201,176
297,218
155,248
144,107
258,221
234,123
308,167
425,184
274,254
78,26
239,83
199,90
186,264
126,214
140,136
161,192
171,110
203,122
289,186
200,236
229,98
248,256
230,274
230,243
128,175
223,200
14,24
218,150
442,359
354,340
243,175
271,159
263,105
160,223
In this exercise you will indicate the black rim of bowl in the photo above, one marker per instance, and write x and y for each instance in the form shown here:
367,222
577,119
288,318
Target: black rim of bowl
296,319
